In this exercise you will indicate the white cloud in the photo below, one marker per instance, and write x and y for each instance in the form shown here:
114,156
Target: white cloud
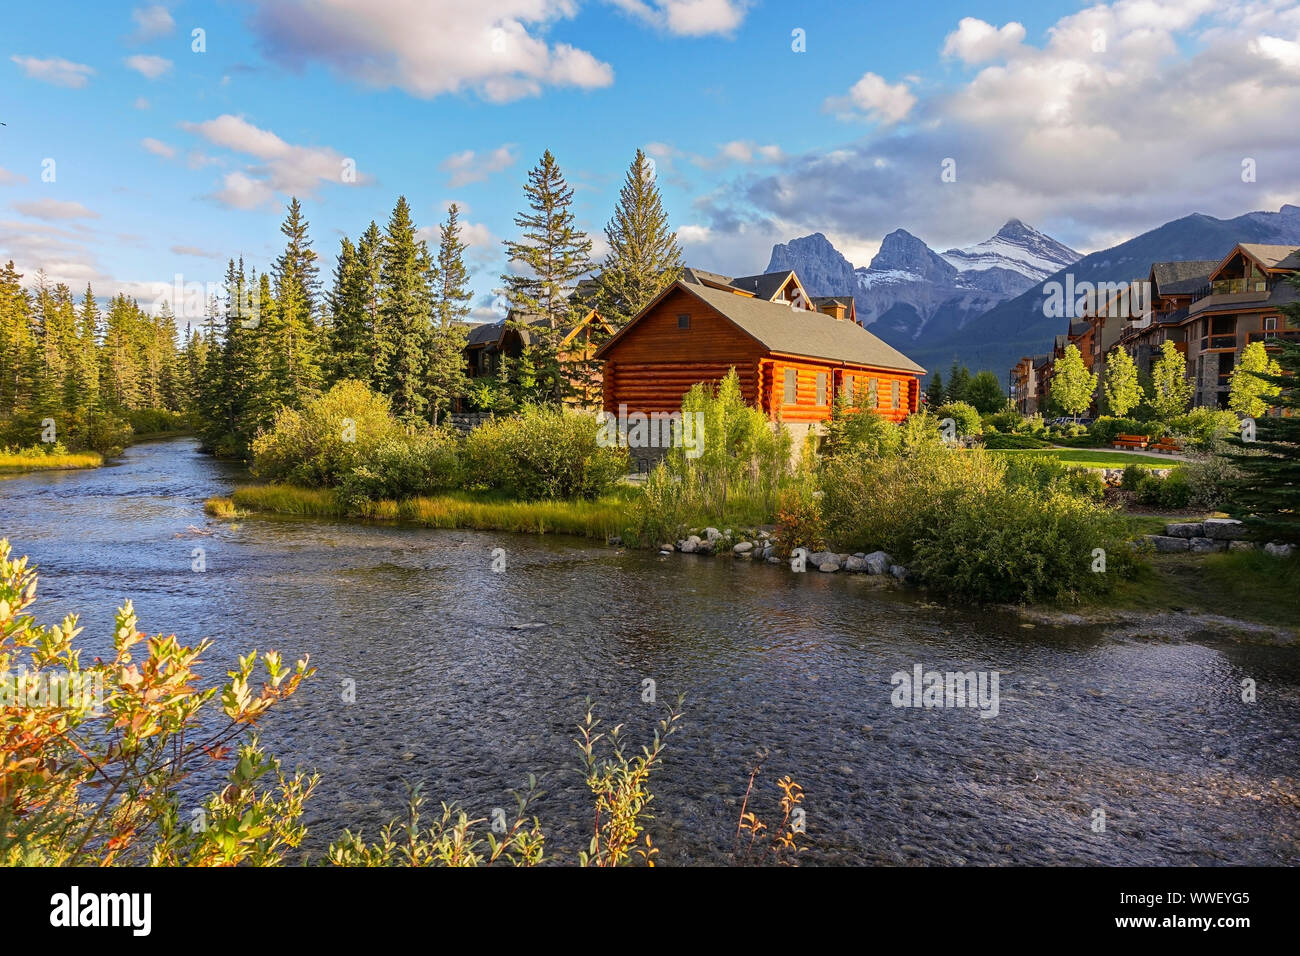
158,147
152,22
149,66
493,47
244,192
741,151
975,41
688,17
874,99
282,167
9,179
471,167
55,71
54,209
1126,116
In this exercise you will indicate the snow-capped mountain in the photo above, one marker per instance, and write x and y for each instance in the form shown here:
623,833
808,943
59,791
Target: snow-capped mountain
910,292
1017,247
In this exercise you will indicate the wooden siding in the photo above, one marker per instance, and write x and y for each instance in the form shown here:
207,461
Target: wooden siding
655,363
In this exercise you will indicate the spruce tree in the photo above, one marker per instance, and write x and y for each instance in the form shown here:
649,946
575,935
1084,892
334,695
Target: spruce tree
552,255
445,375
405,305
643,253
369,265
292,338
350,351
1267,496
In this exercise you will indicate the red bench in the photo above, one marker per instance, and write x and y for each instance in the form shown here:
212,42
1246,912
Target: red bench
1130,441
1167,445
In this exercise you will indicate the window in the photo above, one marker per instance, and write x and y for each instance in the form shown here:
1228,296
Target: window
791,387
683,321
848,389
1270,323
894,385
873,394
821,388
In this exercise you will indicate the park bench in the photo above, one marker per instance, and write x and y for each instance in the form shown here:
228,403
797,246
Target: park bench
1130,441
1167,445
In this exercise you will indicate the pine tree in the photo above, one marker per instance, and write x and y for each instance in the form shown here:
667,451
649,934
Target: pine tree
985,393
1072,384
643,253
553,254
1268,494
86,368
369,251
445,376
958,383
350,352
1120,390
292,338
1171,392
405,304
935,393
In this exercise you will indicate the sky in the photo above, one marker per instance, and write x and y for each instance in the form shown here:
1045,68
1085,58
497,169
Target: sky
145,144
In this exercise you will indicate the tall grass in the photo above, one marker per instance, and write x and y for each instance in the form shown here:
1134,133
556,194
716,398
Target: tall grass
28,461
604,517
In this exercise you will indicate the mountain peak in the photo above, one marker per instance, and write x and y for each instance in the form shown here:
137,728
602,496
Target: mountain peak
903,252
1016,247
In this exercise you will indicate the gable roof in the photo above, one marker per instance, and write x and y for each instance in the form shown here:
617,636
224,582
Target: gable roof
778,328
1183,277
1273,257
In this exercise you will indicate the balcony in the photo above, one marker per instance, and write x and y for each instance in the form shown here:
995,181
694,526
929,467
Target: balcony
1218,342
1286,335
1228,292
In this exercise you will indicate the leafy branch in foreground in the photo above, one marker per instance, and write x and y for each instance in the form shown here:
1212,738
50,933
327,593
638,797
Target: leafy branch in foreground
91,756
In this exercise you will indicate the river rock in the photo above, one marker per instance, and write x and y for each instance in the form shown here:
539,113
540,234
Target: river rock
899,572
744,547
1206,545
1189,529
855,563
1167,544
665,547
878,562
690,545
1278,550
1242,546
773,559
830,567
713,534
1224,529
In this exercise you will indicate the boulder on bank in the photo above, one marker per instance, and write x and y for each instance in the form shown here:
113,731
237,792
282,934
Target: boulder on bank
1225,529
1168,544
1206,545
878,562
830,567
744,547
1279,550
1190,529
856,564
690,545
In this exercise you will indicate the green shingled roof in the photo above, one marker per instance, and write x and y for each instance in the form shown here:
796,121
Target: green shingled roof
801,332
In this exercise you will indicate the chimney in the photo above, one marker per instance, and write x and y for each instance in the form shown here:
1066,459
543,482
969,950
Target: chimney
835,310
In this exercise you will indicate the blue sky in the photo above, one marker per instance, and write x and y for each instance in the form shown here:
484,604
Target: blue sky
168,160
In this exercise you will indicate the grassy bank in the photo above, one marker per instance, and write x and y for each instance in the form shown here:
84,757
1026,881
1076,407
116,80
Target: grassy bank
1247,585
602,518
12,464
1091,458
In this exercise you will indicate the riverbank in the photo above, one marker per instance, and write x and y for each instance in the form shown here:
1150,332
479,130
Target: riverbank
22,462
604,518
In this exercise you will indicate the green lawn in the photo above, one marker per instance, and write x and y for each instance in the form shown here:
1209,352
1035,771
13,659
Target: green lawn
1091,457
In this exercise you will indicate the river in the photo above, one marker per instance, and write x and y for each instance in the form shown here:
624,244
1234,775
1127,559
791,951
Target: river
466,680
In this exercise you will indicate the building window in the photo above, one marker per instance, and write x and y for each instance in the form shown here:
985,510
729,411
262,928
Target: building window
895,390
791,387
848,389
873,393
683,321
821,388
1270,324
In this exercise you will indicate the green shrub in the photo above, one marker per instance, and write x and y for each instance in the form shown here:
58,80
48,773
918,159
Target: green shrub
403,468
1210,479
149,421
1044,473
332,434
967,418
1133,475
543,453
1203,426
860,430
1009,421
961,524
1173,492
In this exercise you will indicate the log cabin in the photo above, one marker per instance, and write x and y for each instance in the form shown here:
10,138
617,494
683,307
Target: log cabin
487,345
793,353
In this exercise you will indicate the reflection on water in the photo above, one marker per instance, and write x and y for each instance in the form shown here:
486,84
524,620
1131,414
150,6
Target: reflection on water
453,692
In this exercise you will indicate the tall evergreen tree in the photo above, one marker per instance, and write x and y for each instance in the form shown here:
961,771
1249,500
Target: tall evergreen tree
1268,494
350,351
445,374
552,254
643,255
405,305
369,264
292,338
